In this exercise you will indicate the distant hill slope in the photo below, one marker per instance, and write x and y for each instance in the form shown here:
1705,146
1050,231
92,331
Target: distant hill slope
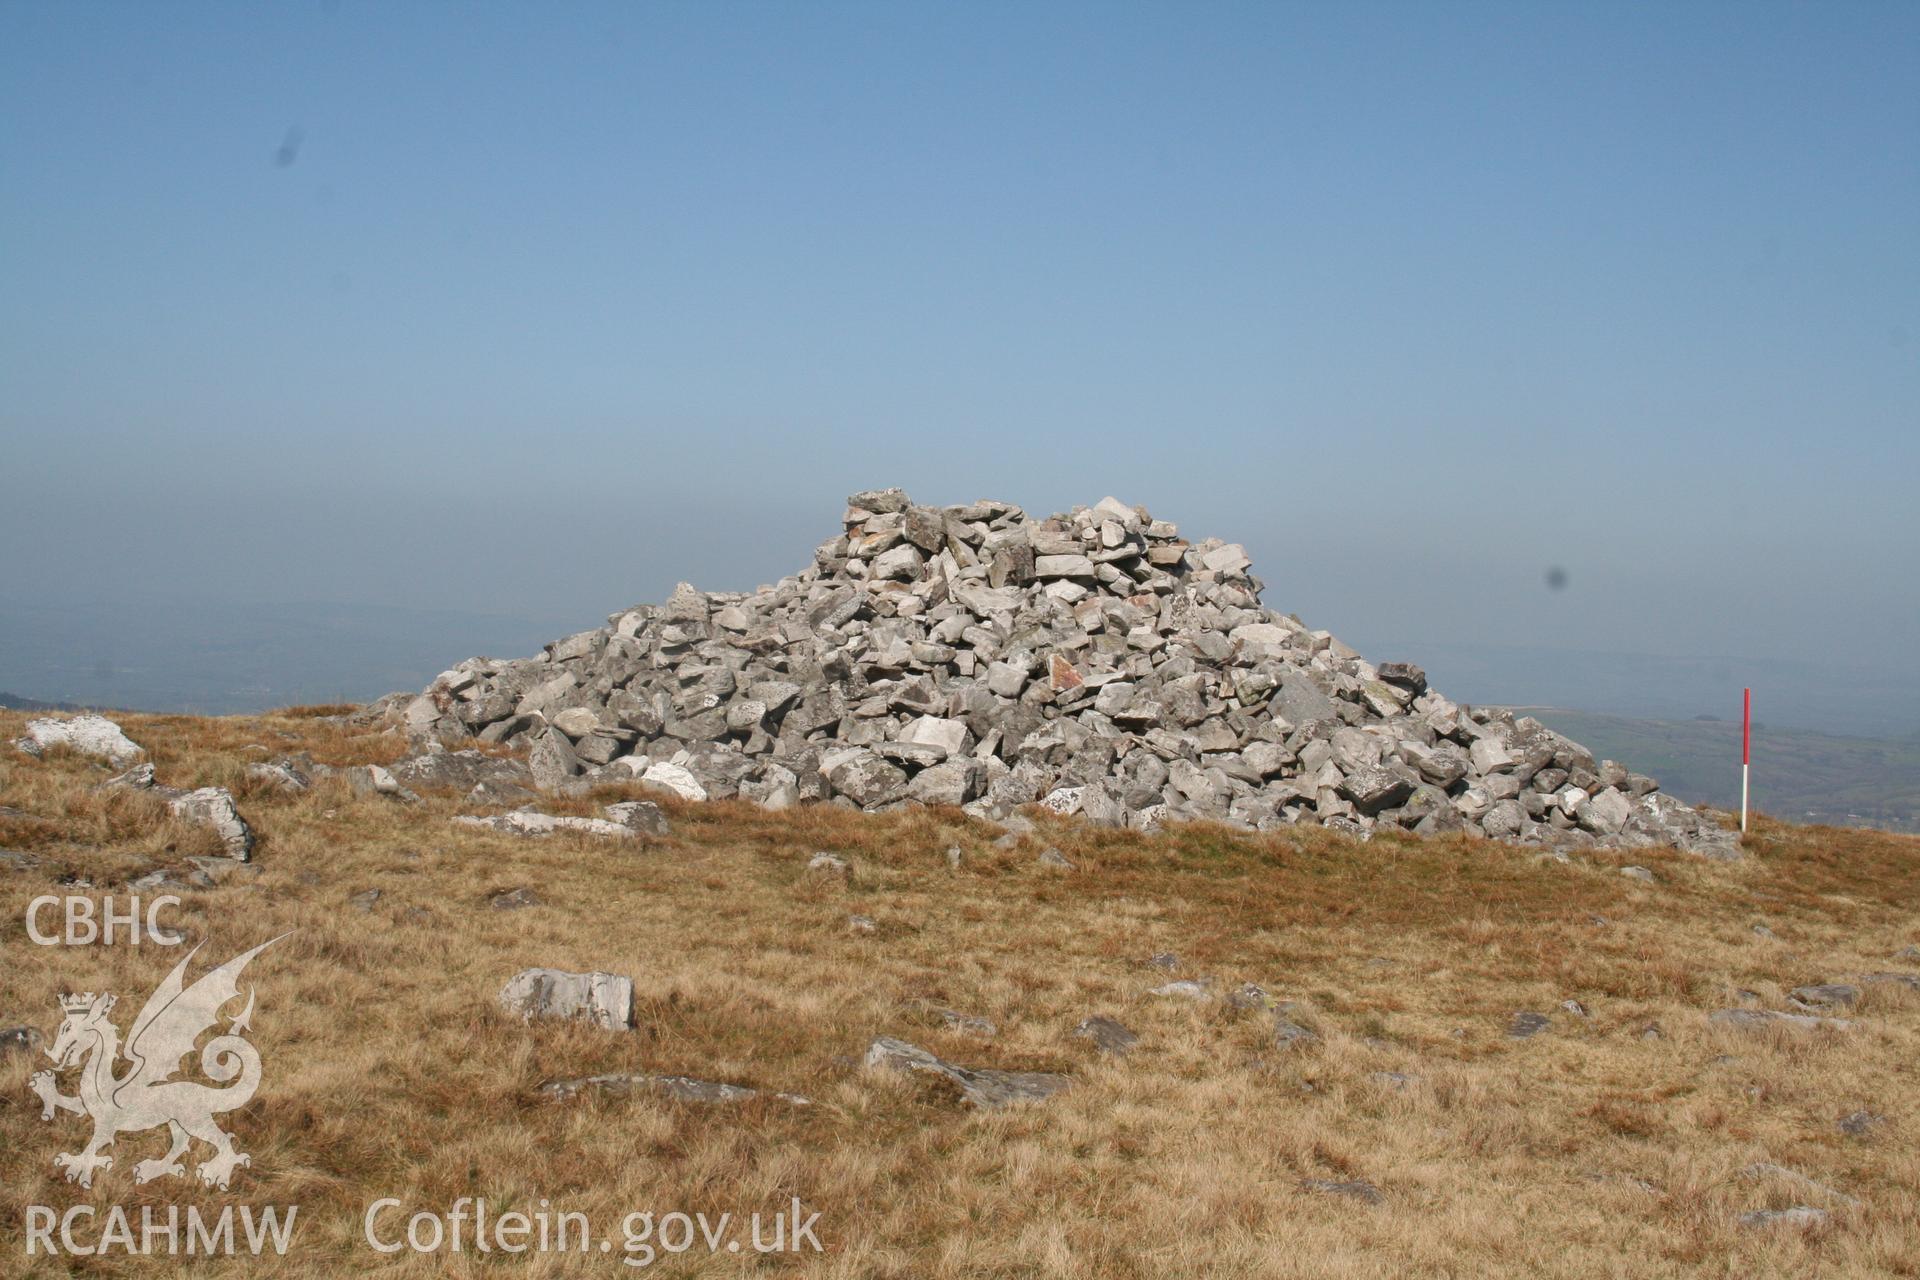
1797,775
221,658
11,702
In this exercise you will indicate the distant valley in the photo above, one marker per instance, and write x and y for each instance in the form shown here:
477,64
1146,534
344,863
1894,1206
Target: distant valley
1798,775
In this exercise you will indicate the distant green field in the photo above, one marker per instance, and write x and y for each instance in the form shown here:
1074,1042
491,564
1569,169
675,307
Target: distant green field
1797,775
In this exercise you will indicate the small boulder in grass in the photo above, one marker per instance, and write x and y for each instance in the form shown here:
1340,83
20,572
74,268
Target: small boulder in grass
214,807
87,735
979,1086
1798,1218
643,816
522,822
1108,1035
376,780
830,866
1526,1024
604,999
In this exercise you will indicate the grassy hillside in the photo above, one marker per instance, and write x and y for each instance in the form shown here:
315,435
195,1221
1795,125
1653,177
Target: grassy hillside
1797,774
1624,1138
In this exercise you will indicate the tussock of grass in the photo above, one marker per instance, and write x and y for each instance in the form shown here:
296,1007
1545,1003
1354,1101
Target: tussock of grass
1586,1150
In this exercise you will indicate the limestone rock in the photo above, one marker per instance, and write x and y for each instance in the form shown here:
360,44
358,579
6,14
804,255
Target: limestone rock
1093,660
1826,995
87,735
460,771
1799,1218
675,778
979,1086
522,822
1353,1189
280,775
1108,1035
604,999
679,1088
374,780
643,816
213,807
1758,1019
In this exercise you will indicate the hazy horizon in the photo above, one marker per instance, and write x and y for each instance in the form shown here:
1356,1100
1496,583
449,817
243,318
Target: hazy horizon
530,314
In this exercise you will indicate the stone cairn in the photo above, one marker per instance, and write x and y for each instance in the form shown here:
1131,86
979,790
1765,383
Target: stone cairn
1095,662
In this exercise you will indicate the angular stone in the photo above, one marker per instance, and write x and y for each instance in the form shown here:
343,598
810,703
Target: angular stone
1068,566
1352,1189
375,780
865,778
1372,788
522,822
1755,1019
459,771
643,816
903,563
679,1088
879,501
1107,1035
1404,674
979,1087
213,807
281,776
87,735
604,999
576,722
953,782
949,735
1799,1218
675,778
552,761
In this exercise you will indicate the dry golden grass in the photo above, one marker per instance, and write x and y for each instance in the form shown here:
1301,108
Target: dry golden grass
1588,1150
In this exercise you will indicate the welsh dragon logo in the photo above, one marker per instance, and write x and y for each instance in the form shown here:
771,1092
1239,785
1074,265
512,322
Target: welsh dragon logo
145,1096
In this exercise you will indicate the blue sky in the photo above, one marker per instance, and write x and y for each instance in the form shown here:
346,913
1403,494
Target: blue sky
537,309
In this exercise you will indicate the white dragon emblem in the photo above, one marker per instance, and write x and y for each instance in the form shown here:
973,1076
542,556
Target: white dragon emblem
144,1097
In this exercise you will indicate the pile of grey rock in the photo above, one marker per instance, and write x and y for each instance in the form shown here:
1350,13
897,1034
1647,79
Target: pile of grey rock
1095,662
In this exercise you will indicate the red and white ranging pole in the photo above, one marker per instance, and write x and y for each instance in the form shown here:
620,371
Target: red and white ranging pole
1746,751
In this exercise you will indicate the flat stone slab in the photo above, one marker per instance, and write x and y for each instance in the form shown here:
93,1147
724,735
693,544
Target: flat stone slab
1799,1218
1110,1036
1755,1019
1825,995
1353,1189
681,1088
981,1087
1527,1024
522,823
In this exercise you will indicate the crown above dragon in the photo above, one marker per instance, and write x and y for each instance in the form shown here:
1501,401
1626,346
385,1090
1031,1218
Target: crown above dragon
77,1002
